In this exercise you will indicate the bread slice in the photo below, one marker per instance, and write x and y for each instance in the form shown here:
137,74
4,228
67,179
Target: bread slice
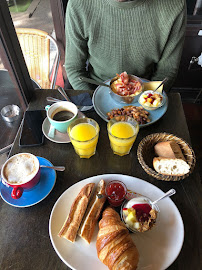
77,211
170,166
168,149
92,214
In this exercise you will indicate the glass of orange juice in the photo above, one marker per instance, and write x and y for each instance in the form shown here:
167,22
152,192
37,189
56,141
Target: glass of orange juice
122,134
84,134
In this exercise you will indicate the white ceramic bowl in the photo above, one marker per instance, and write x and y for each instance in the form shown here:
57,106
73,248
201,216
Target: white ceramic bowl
150,108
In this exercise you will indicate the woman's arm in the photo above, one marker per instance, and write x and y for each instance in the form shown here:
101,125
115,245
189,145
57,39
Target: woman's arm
76,53
171,56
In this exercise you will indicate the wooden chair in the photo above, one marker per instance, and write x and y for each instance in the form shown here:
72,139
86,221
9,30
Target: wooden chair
36,46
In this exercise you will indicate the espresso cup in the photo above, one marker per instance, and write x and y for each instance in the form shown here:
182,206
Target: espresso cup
21,171
61,115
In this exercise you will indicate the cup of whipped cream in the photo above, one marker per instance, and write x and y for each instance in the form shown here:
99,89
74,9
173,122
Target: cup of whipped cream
138,214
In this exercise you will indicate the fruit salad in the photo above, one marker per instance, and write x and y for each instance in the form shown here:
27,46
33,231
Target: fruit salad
138,214
151,100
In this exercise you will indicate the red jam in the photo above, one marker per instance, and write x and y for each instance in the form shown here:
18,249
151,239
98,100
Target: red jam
142,211
116,192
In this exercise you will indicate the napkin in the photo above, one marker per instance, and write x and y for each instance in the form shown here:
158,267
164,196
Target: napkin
82,99
153,85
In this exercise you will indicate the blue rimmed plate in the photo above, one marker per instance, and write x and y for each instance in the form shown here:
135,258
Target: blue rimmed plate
37,193
104,103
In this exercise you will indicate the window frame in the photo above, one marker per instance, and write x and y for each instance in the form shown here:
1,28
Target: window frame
58,8
12,57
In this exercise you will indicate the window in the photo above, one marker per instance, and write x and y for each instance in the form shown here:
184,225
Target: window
194,7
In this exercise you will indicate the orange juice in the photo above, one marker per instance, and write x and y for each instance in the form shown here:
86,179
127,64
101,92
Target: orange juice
122,130
84,137
122,135
83,132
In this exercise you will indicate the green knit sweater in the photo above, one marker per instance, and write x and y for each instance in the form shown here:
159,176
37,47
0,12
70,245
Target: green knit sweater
141,37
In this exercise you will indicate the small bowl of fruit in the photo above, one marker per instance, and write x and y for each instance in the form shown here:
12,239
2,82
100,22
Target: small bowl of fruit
151,100
138,214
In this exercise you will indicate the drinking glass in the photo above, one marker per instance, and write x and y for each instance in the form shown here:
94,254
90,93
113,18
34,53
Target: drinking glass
84,133
122,133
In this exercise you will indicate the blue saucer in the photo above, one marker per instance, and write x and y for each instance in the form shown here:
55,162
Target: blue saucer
37,193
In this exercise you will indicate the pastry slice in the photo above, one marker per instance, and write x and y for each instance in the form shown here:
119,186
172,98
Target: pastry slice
92,214
71,225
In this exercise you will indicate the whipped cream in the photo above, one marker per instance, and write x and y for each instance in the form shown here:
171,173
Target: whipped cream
138,200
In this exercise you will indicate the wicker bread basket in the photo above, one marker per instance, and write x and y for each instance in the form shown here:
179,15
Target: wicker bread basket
145,154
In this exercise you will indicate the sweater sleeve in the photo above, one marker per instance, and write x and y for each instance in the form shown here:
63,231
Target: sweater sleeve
76,54
171,56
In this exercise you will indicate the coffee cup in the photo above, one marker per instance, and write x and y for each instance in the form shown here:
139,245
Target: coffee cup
61,115
21,172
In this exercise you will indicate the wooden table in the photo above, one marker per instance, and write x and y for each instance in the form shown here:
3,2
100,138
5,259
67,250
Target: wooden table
24,235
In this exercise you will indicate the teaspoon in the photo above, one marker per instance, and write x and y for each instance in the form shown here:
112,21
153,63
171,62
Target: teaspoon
167,194
82,108
165,80
56,168
63,93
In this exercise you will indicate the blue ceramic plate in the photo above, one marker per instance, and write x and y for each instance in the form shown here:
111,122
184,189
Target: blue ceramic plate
104,103
37,193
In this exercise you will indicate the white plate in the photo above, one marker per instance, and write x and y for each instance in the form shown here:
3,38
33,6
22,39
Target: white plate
158,248
59,136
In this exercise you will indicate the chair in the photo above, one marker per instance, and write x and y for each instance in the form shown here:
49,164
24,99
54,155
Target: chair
38,47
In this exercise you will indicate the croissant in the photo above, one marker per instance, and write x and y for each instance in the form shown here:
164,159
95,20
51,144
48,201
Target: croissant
115,247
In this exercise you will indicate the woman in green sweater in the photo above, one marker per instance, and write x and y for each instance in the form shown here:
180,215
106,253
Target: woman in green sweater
141,37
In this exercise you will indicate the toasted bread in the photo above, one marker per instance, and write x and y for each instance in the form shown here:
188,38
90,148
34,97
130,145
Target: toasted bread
77,211
92,213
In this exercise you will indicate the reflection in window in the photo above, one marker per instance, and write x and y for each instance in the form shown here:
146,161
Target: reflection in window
194,7
37,15
10,107
32,14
